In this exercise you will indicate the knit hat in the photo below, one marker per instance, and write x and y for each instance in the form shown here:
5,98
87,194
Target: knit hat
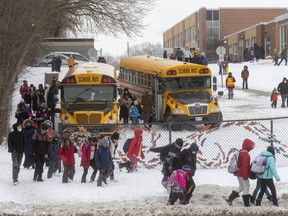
56,135
186,168
193,148
271,149
115,136
104,142
179,142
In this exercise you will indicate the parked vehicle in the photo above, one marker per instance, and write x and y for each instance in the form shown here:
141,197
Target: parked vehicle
46,60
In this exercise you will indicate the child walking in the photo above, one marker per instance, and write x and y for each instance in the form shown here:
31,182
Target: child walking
66,154
177,183
54,161
274,98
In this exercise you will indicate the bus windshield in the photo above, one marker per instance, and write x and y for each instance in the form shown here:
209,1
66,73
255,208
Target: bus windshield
186,83
89,93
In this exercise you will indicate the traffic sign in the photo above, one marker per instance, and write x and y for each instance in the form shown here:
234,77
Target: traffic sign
221,50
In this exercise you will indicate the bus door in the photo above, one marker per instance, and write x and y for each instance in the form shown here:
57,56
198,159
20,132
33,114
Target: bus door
158,100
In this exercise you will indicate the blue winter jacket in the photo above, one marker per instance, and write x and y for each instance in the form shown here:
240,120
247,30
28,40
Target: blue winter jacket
270,169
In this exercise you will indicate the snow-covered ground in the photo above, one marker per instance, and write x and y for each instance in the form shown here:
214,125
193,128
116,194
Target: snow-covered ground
141,193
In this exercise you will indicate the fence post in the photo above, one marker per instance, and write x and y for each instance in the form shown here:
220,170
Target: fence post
271,132
170,133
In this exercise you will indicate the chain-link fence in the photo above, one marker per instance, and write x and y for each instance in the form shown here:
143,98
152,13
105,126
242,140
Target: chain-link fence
216,143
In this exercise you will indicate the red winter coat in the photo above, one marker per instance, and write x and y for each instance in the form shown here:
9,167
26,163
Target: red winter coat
86,152
66,154
135,147
244,159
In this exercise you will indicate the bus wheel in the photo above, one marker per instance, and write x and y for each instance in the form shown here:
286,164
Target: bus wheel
168,118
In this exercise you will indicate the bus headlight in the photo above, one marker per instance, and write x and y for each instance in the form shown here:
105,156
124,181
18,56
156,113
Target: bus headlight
215,109
178,111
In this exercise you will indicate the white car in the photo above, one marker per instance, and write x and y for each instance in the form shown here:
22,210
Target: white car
47,59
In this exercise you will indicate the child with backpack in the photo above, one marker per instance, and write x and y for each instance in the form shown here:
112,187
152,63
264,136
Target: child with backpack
266,179
243,174
169,156
177,183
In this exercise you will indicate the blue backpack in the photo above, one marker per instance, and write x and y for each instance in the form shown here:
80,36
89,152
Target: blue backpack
126,145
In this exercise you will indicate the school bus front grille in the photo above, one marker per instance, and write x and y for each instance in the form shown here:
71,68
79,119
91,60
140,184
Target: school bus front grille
95,119
88,119
198,110
82,118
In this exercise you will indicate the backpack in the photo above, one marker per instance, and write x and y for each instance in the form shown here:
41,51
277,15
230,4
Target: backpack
258,165
233,163
126,145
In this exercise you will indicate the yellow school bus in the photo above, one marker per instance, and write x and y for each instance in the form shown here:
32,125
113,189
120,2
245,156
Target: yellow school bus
89,96
181,91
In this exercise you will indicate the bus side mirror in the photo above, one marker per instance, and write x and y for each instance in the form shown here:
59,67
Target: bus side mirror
120,91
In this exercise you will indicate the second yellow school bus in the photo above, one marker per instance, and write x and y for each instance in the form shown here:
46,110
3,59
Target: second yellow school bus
181,91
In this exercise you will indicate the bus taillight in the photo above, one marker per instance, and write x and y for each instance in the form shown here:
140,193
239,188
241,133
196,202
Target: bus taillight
107,80
171,72
69,81
204,71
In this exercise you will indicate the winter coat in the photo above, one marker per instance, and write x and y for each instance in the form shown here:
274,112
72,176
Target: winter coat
135,147
284,53
274,96
245,74
86,153
40,144
103,158
188,157
24,89
66,153
28,133
169,155
270,169
147,102
134,112
16,140
71,61
127,93
283,88
230,82
53,151
244,159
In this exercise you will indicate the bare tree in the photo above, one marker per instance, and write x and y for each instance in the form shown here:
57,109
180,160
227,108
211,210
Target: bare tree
146,48
25,23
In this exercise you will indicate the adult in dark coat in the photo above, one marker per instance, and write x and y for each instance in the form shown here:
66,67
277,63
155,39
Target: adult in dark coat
169,156
127,93
188,157
40,149
283,56
16,148
28,132
58,63
147,102
283,90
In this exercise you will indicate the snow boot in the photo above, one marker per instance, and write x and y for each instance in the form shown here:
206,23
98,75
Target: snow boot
246,200
231,197
83,180
126,165
258,202
275,202
252,199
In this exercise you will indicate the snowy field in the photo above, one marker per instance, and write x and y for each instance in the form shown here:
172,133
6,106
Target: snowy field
141,193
